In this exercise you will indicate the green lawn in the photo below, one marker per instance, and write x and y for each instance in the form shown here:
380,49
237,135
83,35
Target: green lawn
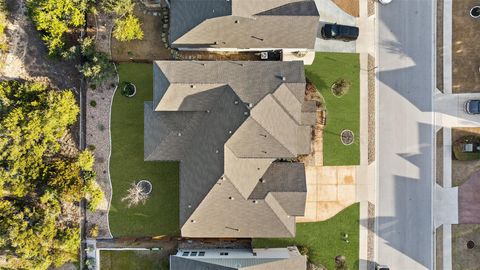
132,260
159,216
324,239
342,112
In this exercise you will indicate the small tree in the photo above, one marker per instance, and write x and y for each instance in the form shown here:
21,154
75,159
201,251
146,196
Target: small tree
135,195
341,263
128,28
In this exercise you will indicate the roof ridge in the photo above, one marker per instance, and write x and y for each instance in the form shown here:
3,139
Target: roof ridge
269,195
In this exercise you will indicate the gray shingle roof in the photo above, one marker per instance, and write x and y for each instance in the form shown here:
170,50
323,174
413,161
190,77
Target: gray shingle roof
239,259
243,23
227,122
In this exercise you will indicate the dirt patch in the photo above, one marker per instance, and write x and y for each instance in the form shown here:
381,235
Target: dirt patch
462,170
219,56
440,45
370,7
469,201
439,158
349,6
465,67
462,257
28,56
439,248
152,46
371,109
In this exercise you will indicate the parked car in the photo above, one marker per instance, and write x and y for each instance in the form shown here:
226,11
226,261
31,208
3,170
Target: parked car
339,32
382,267
472,106
384,2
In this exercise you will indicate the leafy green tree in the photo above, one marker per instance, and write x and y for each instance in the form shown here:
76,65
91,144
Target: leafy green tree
97,67
118,7
37,183
54,18
128,28
86,160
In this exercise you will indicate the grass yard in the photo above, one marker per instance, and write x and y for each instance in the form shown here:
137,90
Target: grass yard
462,257
324,239
342,112
133,260
159,216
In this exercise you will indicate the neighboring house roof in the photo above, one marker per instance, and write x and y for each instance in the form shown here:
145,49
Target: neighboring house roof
239,259
229,123
243,23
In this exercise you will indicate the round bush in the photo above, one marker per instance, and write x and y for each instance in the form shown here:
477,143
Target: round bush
129,89
145,185
340,87
93,103
347,137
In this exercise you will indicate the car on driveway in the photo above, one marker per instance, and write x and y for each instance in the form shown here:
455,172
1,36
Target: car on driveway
472,106
339,32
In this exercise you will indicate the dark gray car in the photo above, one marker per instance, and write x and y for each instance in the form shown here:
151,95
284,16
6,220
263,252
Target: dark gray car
339,32
472,106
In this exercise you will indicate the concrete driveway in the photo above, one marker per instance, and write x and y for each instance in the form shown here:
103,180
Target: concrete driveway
331,13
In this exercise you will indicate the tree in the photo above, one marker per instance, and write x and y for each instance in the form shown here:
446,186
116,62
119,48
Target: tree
36,181
128,28
118,7
54,18
97,67
86,160
135,195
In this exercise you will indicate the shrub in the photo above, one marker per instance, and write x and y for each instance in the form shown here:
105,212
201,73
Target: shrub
128,28
93,232
340,87
91,147
93,103
86,160
128,89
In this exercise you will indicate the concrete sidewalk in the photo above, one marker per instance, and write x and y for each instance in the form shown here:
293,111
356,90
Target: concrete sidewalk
365,45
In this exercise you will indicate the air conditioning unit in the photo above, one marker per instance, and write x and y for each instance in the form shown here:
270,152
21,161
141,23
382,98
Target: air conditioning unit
264,55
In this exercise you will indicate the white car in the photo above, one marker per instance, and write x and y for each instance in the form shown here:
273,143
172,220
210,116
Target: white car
384,2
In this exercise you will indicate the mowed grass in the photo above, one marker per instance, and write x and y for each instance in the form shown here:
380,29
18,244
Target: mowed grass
159,216
132,260
342,112
324,240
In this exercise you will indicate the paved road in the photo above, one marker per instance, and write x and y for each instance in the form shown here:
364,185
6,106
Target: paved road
405,134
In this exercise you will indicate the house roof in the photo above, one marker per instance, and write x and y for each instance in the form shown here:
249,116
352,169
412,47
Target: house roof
243,23
238,259
229,123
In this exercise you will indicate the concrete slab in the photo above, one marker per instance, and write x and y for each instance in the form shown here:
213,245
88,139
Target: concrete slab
446,206
346,194
327,193
346,175
327,175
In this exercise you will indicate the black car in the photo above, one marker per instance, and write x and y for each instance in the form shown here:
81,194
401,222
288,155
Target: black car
472,106
339,32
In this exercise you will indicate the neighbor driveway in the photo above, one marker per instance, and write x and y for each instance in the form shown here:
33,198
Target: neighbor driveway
331,13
